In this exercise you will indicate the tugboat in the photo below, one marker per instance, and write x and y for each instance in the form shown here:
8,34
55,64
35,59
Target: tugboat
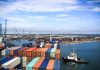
72,57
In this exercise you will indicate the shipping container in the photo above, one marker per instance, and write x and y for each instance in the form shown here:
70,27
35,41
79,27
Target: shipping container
55,45
58,46
32,63
43,52
24,61
38,63
52,42
50,65
0,53
20,52
52,53
34,53
11,63
12,50
2,58
47,45
5,60
1,45
16,51
5,52
57,54
29,59
44,64
38,52
28,52
47,53
52,45
56,65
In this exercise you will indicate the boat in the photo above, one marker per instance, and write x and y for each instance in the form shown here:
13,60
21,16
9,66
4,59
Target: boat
72,57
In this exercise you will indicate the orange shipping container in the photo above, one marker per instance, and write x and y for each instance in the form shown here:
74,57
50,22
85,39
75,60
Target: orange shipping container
47,45
20,52
38,63
34,53
38,52
1,45
50,65
57,54
28,52
43,52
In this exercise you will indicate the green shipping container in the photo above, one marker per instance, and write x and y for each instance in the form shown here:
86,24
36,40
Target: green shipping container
52,53
32,63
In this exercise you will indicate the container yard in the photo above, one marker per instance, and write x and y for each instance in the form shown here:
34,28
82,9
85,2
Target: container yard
49,34
45,56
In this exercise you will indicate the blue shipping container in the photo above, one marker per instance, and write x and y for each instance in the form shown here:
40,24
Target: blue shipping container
58,46
47,53
7,51
16,51
52,45
44,64
57,65
5,60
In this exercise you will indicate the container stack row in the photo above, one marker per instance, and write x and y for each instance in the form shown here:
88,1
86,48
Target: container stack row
46,57
9,63
32,52
41,63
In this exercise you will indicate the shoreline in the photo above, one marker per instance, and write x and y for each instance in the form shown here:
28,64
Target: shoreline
78,42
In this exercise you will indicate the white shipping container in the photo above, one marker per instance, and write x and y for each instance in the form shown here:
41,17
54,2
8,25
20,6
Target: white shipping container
12,63
3,52
13,48
1,39
24,59
24,64
55,45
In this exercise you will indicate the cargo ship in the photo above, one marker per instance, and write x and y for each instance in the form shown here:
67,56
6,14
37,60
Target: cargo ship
72,57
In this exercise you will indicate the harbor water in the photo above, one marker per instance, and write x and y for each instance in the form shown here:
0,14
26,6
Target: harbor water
89,51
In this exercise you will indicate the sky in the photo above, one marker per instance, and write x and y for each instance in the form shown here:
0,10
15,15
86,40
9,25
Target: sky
50,16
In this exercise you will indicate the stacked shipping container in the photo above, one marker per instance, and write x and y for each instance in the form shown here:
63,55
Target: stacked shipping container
42,58
40,63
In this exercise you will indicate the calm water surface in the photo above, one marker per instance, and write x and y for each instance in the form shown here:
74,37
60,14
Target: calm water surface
88,50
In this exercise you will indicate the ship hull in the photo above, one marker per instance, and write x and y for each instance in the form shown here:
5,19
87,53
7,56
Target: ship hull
80,61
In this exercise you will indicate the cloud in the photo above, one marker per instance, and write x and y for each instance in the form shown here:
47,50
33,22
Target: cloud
42,6
37,15
63,15
37,6
26,22
96,9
